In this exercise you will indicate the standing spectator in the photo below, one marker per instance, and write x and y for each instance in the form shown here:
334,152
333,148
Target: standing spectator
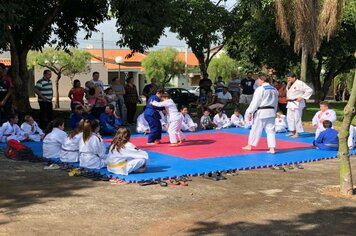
5,94
119,90
247,89
282,97
219,85
150,89
205,83
131,99
44,91
110,96
97,81
297,93
234,88
76,94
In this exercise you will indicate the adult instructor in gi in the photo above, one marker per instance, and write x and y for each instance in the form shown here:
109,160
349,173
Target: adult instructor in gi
262,110
297,93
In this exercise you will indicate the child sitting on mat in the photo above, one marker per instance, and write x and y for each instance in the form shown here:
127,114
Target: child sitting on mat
142,124
188,123
281,123
221,120
237,119
124,157
70,147
351,142
10,130
91,146
205,120
327,139
31,128
54,138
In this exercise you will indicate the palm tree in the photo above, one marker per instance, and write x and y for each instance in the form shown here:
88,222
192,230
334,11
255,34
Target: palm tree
310,21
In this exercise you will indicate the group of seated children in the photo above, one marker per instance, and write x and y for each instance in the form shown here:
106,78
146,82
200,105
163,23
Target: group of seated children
29,130
85,145
187,122
220,120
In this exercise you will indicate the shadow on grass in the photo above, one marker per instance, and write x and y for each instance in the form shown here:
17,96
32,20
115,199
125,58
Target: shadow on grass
339,221
23,184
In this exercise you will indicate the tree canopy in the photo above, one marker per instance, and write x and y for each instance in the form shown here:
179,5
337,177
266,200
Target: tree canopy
223,66
163,65
30,25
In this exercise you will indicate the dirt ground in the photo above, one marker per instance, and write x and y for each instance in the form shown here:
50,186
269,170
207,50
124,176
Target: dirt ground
34,201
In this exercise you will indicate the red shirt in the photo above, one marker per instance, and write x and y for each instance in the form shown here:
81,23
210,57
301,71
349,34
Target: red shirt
77,95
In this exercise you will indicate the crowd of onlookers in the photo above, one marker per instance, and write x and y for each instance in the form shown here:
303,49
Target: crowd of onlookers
96,112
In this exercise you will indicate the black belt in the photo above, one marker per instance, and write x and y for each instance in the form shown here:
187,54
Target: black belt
291,100
266,107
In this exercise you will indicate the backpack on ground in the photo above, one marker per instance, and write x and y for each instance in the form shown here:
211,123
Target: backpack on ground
18,151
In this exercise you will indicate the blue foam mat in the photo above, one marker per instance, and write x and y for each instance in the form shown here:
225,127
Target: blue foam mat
164,166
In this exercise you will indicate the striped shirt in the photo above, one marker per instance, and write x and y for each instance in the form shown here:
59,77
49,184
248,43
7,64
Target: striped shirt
45,88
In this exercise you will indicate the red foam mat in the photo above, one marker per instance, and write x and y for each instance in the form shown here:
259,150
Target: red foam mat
211,145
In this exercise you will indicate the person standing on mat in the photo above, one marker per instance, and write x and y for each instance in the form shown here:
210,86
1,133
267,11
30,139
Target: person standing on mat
174,117
297,92
153,118
262,110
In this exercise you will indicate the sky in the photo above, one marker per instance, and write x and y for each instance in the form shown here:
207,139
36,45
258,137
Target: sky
111,36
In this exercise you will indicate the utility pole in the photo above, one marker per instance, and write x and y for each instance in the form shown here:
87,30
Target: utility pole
102,48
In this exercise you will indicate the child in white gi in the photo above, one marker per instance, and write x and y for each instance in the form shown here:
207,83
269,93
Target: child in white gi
70,147
221,120
351,142
91,146
281,123
324,114
205,121
263,108
55,137
142,125
248,121
124,157
188,123
10,130
31,128
174,118
237,119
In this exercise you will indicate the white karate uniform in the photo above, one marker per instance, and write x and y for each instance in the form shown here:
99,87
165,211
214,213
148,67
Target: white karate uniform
327,115
34,132
281,124
221,121
351,141
9,131
142,124
164,121
127,160
237,121
248,123
70,149
295,108
52,143
188,123
92,153
174,118
265,96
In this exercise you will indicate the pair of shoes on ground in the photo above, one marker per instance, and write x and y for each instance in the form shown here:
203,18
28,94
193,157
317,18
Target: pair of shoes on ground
214,176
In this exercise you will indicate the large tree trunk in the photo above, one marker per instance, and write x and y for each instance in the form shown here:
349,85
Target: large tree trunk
304,65
346,184
20,75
